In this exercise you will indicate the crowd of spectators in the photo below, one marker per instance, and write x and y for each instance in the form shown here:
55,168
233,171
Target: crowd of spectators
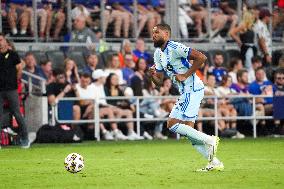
124,73
116,19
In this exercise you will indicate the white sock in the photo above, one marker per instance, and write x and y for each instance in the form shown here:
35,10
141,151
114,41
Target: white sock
23,32
196,137
202,150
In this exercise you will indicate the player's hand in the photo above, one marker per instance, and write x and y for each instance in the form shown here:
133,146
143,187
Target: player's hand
152,70
180,77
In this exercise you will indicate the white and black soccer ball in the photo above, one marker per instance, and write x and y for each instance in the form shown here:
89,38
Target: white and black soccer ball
74,163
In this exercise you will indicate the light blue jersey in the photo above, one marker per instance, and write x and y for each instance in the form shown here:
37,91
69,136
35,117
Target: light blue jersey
174,60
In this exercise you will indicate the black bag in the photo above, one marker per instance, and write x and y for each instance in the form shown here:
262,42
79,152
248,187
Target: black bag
55,134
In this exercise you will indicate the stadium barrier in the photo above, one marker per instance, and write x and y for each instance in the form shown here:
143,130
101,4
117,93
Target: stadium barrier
97,120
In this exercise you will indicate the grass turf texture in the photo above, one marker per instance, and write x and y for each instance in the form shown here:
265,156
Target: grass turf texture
248,163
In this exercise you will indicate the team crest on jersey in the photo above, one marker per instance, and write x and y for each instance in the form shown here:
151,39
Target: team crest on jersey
170,67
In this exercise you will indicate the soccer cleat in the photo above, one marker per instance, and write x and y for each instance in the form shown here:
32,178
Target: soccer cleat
212,149
212,167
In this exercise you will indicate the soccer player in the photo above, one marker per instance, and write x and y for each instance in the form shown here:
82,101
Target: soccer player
173,59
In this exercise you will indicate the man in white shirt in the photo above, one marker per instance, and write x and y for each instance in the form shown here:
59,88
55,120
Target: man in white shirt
263,35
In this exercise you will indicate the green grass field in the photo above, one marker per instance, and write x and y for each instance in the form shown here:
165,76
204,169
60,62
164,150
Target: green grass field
248,163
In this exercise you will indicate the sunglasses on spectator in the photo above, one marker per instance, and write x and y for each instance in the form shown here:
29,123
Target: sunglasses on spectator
60,77
279,78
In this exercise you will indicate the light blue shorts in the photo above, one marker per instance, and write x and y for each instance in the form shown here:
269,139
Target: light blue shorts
187,106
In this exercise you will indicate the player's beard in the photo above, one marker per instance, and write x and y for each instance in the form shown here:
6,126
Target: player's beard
159,43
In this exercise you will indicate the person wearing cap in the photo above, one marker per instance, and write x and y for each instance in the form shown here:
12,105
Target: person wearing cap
263,35
99,92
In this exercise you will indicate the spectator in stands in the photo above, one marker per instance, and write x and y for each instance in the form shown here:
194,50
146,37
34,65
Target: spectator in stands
137,81
279,82
223,91
143,17
18,13
46,71
100,79
235,65
83,34
60,88
167,89
126,48
262,87
113,66
184,18
207,109
55,15
140,51
245,38
128,70
102,44
81,10
281,62
152,108
217,70
256,63
264,36
71,71
92,62
31,67
86,90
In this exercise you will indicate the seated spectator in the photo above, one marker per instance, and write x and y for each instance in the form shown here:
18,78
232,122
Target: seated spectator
60,88
225,90
46,68
167,89
235,65
31,67
100,79
137,80
102,44
143,17
279,82
121,19
256,62
217,70
80,10
126,48
140,51
114,67
18,13
128,70
92,62
71,71
55,15
83,34
152,108
86,90
262,87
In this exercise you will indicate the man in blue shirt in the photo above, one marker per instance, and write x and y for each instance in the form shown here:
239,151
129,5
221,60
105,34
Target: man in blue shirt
218,70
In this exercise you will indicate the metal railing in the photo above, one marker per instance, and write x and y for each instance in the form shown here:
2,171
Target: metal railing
97,120
41,87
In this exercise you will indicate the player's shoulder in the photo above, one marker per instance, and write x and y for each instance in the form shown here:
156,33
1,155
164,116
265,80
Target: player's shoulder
175,44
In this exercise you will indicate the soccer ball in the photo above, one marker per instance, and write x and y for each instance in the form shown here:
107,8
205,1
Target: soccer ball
74,163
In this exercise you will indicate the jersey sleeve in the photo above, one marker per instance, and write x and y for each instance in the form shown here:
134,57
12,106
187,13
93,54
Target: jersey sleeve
182,51
157,61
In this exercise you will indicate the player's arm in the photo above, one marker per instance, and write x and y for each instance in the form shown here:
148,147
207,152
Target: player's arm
198,60
156,77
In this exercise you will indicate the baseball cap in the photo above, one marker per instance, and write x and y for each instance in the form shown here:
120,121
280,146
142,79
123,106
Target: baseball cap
98,74
264,12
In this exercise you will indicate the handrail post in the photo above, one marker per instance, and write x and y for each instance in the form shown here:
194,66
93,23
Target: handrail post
216,115
97,120
138,115
254,117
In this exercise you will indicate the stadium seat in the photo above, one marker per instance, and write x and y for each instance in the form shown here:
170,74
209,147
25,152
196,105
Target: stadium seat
106,55
211,54
78,57
57,58
233,53
40,56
